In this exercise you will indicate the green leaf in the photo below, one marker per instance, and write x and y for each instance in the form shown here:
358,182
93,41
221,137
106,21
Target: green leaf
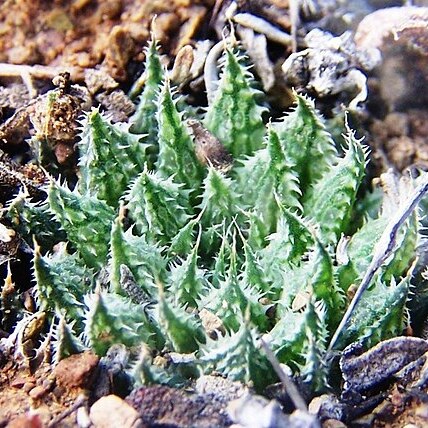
313,277
143,258
361,247
324,286
158,206
86,220
359,251
252,271
144,120
182,329
287,338
109,158
221,262
65,342
187,282
145,372
257,231
34,219
306,143
266,178
247,175
219,201
406,249
112,319
234,116
379,315
238,357
43,153
331,199
286,247
234,297
314,370
177,156
182,243
62,280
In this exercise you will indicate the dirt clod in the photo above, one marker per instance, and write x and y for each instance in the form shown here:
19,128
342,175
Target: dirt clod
76,370
402,137
164,406
118,105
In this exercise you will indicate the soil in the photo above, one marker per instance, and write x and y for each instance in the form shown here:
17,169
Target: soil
52,391
85,33
100,45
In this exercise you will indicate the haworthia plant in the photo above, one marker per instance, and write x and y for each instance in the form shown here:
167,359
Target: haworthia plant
153,237
235,116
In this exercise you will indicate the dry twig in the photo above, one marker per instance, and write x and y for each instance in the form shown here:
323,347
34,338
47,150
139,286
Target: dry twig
28,72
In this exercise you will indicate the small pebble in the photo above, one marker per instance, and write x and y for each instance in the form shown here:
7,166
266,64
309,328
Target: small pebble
48,383
223,389
19,382
422,411
300,418
82,418
37,392
112,411
28,386
315,404
256,411
58,392
333,423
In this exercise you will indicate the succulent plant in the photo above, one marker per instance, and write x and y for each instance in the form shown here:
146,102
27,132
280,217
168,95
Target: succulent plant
152,235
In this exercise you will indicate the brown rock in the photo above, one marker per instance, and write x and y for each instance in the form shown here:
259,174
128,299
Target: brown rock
112,411
19,382
99,79
26,421
401,151
118,53
76,371
223,389
55,116
48,383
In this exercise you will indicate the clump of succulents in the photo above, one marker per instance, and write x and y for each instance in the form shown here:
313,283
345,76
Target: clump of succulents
159,236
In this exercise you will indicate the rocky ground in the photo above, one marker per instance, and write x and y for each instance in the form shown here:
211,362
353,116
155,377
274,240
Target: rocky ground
100,45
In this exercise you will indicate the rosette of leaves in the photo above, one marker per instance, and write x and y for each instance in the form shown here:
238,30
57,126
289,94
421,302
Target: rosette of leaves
153,236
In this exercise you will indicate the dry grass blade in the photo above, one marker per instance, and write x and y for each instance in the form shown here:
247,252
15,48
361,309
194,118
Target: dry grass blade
383,250
289,385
